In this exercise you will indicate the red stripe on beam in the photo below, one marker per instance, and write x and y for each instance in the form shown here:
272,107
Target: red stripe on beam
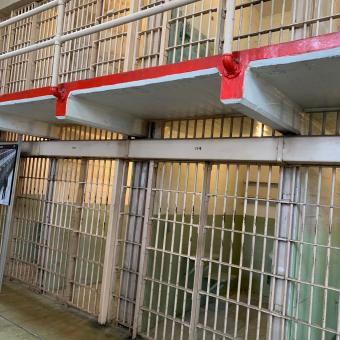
230,89
27,94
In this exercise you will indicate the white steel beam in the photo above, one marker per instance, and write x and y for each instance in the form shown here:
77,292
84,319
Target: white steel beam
82,111
91,149
26,126
263,102
110,246
293,150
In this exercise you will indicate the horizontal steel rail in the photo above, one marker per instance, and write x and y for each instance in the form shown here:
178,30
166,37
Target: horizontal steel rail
29,13
275,150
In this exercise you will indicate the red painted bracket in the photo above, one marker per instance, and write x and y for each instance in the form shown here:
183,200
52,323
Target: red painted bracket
232,66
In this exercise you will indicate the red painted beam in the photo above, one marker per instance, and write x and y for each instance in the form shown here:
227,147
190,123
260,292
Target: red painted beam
28,94
231,87
137,75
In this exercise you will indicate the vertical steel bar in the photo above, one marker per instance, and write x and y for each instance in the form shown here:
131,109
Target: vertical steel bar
109,258
280,259
146,227
229,27
57,43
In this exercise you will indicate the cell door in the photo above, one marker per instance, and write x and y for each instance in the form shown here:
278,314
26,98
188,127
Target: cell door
209,253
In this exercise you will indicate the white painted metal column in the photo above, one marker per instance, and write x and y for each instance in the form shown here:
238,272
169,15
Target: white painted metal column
229,27
145,232
57,42
9,214
111,238
281,254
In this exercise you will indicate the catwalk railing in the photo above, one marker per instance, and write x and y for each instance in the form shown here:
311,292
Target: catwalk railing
46,43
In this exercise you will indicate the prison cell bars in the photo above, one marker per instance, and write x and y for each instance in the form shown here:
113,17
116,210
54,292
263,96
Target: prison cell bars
286,21
240,118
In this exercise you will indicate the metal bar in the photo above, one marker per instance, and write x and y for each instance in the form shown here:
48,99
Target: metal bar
109,259
221,23
132,243
281,253
30,13
9,214
294,150
146,228
229,27
57,42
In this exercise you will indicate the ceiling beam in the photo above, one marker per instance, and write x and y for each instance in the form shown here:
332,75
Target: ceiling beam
32,127
84,111
263,102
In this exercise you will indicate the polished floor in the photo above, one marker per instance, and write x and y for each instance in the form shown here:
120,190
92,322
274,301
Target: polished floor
26,315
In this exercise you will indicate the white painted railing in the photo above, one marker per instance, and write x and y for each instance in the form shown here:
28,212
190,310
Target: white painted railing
61,37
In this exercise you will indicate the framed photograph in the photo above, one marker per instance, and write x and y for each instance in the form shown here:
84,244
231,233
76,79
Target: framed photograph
8,155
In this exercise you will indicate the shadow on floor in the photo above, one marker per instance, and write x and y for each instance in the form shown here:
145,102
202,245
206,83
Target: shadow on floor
26,315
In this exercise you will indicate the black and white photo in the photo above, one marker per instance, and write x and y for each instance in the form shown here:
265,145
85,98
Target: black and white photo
7,167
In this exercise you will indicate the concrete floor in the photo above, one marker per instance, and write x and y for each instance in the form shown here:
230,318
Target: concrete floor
26,315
